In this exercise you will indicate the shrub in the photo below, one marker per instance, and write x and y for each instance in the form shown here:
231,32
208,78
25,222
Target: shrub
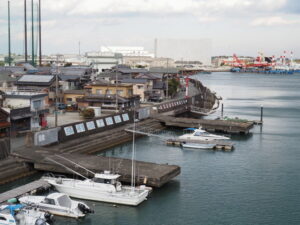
88,113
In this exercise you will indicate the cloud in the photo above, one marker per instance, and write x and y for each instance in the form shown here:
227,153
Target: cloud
273,21
207,19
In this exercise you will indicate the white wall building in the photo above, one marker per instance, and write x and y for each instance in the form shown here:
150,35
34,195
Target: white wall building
126,50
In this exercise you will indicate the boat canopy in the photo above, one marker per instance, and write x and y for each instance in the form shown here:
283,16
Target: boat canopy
12,208
190,129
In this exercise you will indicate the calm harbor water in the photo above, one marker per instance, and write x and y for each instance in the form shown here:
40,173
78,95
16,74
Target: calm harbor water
258,183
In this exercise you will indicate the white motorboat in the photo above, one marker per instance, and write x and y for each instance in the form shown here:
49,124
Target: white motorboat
104,187
198,146
201,135
57,204
23,215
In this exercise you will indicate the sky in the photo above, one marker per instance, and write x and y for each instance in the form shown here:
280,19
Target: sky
244,27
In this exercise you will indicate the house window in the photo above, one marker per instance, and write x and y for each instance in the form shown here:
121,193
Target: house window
99,91
130,92
108,92
140,86
120,92
37,104
69,99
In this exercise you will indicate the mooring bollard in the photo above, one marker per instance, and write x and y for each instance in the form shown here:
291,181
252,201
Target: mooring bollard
261,113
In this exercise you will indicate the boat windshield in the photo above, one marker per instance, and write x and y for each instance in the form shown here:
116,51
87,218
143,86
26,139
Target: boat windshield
104,181
64,201
49,201
198,133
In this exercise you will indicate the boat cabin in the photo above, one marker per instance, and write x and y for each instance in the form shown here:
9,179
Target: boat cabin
58,199
106,178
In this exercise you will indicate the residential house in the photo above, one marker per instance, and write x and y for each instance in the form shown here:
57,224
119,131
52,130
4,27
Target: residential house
141,87
27,110
108,101
107,95
70,96
69,82
156,86
41,83
7,81
100,88
4,124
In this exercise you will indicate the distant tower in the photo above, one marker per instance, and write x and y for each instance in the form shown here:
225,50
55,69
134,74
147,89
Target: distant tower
155,48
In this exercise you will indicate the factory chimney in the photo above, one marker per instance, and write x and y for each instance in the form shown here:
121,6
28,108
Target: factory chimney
40,35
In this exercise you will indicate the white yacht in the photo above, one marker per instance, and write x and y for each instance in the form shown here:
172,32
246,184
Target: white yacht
23,215
201,135
104,187
57,204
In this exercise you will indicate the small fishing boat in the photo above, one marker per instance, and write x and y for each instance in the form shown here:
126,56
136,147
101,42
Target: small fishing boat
201,135
58,204
23,215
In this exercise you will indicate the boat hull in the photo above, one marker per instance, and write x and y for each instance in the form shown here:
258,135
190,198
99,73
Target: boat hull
95,194
198,146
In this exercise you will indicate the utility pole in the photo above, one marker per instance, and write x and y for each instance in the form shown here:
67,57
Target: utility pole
9,49
167,92
40,35
32,34
25,30
56,90
117,86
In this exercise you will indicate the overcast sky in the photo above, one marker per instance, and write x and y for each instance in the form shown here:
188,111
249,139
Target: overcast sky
244,27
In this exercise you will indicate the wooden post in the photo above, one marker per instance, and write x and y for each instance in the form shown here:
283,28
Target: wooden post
261,113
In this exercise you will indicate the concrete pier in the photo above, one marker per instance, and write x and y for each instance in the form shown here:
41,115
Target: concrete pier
151,174
209,125
22,190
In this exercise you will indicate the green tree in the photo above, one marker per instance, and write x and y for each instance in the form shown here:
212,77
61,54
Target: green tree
173,86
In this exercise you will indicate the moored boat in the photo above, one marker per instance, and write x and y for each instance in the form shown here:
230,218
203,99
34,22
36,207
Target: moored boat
58,204
23,215
104,187
201,135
